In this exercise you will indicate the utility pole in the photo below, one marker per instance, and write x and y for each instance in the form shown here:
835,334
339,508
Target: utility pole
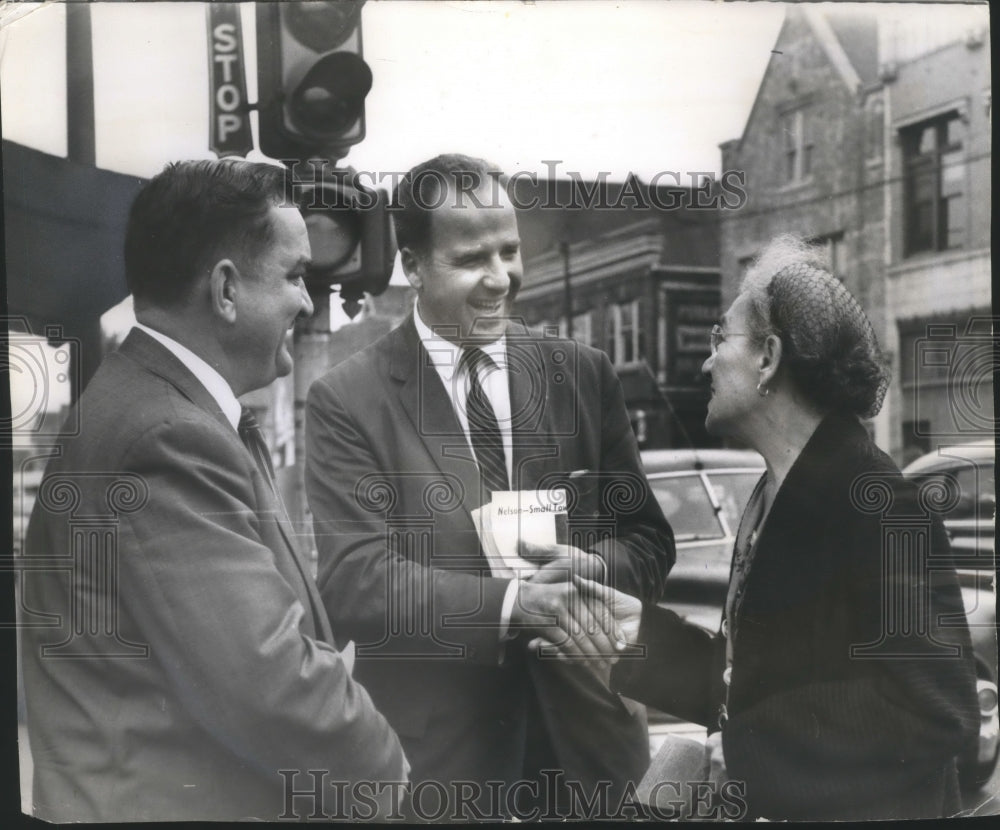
80,142
567,289
312,359
81,148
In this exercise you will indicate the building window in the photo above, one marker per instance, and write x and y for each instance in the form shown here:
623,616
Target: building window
934,185
623,339
833,245
874,121
582,331
547,327
797,146
946,376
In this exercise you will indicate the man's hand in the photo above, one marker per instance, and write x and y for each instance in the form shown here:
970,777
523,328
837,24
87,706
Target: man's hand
559,615
616,612
560,563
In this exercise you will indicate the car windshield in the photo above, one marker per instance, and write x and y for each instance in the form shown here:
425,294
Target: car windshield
732,490
968,490
687,506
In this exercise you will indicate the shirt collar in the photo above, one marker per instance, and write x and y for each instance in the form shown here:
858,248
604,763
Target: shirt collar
444,354
215,383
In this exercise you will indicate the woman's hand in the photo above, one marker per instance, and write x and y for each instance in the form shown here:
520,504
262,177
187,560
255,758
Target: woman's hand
716,762
617,614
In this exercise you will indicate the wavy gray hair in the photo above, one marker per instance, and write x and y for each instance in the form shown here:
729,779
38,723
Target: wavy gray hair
830,349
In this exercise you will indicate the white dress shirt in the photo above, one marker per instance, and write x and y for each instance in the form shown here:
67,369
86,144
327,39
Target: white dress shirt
445,356
213,382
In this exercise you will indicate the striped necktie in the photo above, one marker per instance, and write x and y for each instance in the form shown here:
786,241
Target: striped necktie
484,431
253,438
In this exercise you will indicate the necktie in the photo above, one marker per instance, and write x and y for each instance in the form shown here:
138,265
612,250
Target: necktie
253,438
487,442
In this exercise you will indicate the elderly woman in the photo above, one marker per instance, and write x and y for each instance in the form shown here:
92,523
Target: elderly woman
842,679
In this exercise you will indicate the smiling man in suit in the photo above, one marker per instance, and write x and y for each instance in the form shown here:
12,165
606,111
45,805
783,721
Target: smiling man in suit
406,439
186,668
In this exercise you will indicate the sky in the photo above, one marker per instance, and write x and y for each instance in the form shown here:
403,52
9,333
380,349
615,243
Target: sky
633,86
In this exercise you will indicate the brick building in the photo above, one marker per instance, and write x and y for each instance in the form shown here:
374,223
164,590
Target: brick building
871,136
641,283
938,287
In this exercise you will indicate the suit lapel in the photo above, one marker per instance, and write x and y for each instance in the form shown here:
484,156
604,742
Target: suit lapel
320,620
425,401
530,406
160,361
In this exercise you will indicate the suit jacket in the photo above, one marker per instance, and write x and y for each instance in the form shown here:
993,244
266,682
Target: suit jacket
185,657
853,679
391,482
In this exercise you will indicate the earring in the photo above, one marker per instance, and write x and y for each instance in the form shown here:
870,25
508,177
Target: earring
763,392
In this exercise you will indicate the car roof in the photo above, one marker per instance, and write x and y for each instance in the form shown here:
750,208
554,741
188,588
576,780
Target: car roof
670,461
947,457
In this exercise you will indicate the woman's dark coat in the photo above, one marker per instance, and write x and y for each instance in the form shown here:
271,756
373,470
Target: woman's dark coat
853,682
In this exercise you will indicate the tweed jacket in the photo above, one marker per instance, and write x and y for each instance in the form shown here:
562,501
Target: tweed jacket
176,652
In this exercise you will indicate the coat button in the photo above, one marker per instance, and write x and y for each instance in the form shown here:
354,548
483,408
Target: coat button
727,675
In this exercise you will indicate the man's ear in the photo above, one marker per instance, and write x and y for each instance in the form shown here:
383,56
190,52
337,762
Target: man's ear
770,358
412,267
222,285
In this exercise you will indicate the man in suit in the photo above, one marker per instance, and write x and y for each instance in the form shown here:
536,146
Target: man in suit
401,449
178,662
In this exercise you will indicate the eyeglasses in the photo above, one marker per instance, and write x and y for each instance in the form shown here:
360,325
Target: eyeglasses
717,336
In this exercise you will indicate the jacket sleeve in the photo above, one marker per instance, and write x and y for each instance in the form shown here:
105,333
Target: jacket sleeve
376,579
674,669
642,552
225,624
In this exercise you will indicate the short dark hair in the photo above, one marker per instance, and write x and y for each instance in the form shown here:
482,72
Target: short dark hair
830,349
425,187
191,212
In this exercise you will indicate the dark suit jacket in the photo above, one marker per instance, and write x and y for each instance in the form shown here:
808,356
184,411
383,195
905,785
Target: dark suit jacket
188,657
853,681
391,482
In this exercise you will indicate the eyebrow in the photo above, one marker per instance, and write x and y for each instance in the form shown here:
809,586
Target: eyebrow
471,250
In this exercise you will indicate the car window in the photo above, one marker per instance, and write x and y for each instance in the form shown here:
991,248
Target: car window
733,492
976,493
687,506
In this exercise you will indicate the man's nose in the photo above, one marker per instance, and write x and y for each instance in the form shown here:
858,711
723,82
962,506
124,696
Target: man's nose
307,304
498,276
706,367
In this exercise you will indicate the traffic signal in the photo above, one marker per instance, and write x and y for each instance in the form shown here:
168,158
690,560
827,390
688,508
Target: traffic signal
311,78
350,235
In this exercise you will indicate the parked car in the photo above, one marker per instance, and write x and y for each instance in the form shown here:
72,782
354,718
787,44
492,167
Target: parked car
961,477
703,493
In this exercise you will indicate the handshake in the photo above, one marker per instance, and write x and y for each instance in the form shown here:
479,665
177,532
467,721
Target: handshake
568,611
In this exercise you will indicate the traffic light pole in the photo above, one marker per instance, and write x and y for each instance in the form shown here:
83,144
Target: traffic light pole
80,134
312,359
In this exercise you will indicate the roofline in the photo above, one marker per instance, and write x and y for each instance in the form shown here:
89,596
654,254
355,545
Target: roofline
760,86
831,45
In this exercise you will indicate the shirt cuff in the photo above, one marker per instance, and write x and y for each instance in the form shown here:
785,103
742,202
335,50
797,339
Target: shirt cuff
509,598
